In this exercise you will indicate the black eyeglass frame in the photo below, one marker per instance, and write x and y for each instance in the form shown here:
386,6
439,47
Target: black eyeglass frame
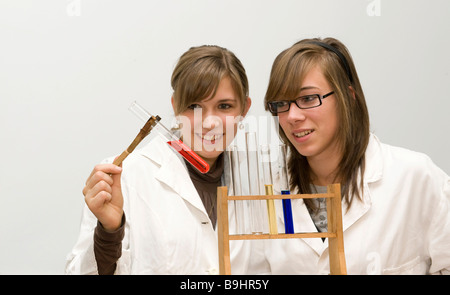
271,106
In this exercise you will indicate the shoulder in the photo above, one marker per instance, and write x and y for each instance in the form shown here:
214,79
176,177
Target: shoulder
382,154
405,158
407,176
402,162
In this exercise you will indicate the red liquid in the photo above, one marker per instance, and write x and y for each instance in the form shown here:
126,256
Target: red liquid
189,155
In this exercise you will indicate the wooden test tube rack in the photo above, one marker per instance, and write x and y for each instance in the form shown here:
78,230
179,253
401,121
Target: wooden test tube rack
335,233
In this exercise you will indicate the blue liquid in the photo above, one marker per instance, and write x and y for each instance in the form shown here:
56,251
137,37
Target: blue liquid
287,212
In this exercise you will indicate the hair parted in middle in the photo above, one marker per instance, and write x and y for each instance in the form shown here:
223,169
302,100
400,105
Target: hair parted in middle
199,71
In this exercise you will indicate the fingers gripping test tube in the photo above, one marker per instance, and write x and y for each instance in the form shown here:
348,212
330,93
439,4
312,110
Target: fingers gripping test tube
174,141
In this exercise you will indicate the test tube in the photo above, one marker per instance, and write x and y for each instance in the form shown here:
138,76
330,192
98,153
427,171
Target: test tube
256,207
174,141
268,185
239,205
284,188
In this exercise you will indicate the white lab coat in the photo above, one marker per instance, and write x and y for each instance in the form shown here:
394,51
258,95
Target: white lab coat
167,229
402,226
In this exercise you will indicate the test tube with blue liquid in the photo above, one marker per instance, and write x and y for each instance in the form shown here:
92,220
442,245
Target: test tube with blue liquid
284,188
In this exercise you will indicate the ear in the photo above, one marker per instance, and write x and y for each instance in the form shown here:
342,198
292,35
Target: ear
352,91
247,106
173,105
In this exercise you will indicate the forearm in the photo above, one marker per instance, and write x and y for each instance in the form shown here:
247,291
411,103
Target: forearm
108,247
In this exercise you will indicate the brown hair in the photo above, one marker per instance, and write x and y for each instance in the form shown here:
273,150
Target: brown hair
288,71
199,72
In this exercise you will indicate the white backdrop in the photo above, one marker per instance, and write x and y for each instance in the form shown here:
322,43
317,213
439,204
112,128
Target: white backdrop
69,69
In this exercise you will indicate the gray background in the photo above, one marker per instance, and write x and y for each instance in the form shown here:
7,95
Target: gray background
69,69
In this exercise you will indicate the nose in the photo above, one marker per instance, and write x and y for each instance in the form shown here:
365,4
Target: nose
295,114
211,121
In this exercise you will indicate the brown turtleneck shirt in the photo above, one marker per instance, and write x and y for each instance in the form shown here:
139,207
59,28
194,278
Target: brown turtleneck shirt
108,245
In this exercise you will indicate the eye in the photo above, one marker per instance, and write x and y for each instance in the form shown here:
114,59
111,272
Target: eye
224,106
281,103
307,98
194,106
278,106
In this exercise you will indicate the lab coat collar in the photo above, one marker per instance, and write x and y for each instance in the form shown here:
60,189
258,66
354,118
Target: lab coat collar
172,171
373,173
374,163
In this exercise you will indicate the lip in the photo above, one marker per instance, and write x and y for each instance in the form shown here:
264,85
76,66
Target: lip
303,138
216,137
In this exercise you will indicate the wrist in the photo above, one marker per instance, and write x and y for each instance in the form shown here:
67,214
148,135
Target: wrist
112,228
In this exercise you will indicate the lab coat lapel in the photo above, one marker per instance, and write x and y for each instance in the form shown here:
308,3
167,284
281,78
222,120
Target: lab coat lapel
173,172
304,224
357,209
373,173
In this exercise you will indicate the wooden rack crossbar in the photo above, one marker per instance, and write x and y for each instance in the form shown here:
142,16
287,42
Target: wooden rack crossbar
335,230
279,197
282,236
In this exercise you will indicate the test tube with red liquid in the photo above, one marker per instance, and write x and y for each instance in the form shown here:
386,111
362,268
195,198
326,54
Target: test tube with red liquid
174,141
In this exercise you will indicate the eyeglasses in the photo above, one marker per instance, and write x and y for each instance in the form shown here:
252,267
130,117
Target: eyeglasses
302,102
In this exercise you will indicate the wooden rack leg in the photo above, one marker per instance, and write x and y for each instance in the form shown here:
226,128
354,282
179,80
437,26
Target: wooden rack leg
223,231
336,245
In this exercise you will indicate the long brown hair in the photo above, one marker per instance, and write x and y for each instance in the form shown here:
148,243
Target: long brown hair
288,71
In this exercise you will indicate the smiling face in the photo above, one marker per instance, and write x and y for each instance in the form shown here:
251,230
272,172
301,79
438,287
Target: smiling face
210,125
313,132
327,143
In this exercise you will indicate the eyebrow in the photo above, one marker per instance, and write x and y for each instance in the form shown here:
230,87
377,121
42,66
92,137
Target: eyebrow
308,87
227,100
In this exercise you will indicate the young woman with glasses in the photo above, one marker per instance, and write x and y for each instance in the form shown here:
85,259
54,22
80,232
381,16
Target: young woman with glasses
396,202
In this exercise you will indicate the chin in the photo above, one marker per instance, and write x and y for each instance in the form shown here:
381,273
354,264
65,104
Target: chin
305,151
209,155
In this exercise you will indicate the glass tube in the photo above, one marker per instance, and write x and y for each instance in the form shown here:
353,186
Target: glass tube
268,185
239,206
256,207
173,140
264,150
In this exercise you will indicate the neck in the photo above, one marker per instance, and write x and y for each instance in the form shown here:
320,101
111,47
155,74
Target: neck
210,161
324,168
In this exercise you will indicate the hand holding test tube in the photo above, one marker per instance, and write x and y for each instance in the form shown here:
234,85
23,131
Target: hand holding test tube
106,201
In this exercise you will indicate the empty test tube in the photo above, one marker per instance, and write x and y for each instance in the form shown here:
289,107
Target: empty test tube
256,207
240,217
